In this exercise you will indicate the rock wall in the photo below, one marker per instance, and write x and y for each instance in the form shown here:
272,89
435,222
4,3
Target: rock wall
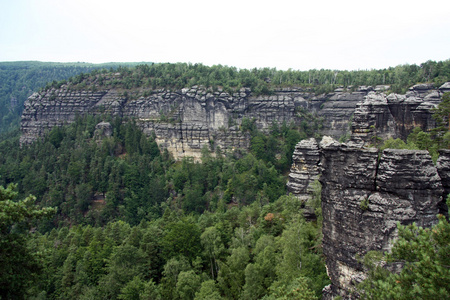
443,167
186,120
363,198
304,172
383,116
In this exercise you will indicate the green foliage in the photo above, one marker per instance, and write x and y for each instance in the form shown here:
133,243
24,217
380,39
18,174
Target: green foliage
226,254
18,263
132,222
181,238
442,117
417,140
188,284
12,212
132,290
295,289
208,291
94,181
232,272
125,263
424,257
261,81
316,201
91,181
364,204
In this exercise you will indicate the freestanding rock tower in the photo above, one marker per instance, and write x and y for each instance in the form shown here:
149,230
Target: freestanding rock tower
363,199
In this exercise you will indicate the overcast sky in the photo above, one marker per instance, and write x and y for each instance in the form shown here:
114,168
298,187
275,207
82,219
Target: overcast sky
301,35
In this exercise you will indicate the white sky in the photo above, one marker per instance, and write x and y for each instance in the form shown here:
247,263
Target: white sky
302,35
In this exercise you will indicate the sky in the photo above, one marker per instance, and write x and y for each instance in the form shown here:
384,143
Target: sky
282,34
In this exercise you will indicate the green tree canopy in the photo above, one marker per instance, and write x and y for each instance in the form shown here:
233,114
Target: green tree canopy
423,253
18,263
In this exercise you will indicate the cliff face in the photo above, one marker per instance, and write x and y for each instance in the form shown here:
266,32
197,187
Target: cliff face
304,172
184,121
364,197
384,116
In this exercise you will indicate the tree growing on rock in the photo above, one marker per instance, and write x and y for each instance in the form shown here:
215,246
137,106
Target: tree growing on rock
442,117
425,256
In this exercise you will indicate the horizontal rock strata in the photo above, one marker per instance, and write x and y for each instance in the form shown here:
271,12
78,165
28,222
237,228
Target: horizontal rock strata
363,198
443,167
381,116
304,172
186,120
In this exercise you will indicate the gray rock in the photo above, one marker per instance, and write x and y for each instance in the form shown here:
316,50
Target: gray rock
381,116
374,114
422,87
445,87
103,129
363,198
443,167
304,172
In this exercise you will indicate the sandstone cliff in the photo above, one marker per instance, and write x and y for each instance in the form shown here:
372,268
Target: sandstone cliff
384,116
186,120
363,198
304,172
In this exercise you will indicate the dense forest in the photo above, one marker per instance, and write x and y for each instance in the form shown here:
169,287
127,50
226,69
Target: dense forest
88,215
132,220
260,81
128,222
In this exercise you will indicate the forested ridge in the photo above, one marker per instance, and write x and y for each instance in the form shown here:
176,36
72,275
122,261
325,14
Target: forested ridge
19,79
263,80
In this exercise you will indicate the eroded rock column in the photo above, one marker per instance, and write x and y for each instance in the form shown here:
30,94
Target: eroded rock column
362,201
304,171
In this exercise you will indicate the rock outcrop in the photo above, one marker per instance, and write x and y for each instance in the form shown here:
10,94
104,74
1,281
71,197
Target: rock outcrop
186,120
363,198
443,167
304,173
103,129
382,116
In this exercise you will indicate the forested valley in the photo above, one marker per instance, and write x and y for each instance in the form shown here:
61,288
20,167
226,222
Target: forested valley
116,217
132,221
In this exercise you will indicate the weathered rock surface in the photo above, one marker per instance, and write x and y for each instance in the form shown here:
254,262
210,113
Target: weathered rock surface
384,116
186,120
443,167
363,198
304,171
362,201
